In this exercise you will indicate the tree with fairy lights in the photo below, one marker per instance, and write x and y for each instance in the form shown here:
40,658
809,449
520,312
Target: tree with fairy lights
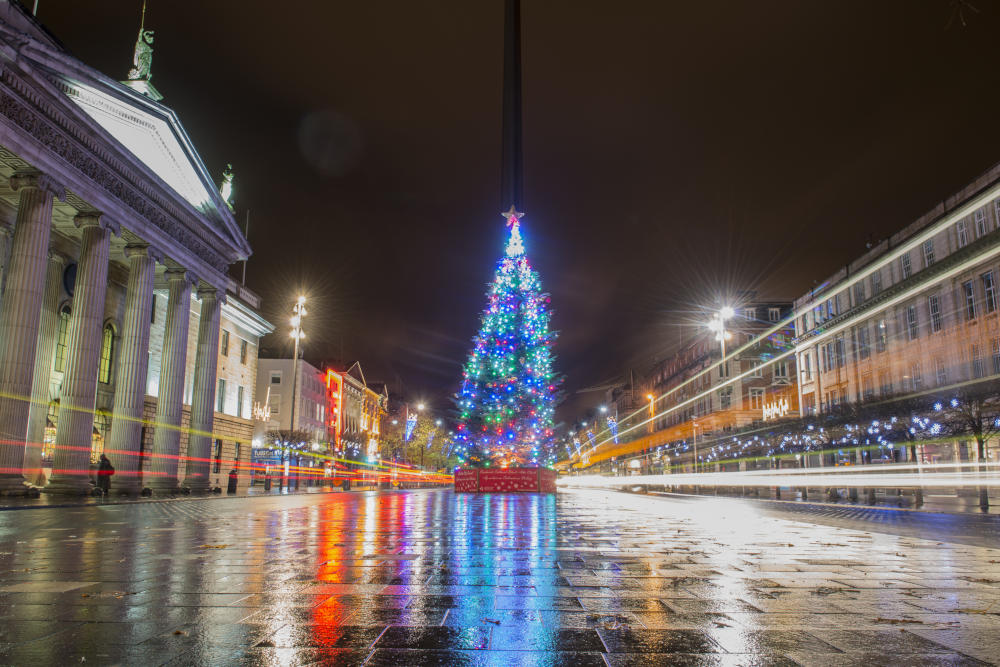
508,392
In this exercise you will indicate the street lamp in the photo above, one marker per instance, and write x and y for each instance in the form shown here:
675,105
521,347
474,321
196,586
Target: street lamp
694,430
298,312
718,325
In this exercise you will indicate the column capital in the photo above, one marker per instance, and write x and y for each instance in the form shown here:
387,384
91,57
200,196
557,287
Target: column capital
55,256
211,292
143,250
174,273
95,219
38,181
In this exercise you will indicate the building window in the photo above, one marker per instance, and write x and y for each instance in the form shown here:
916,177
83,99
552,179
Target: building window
830,310
916,376
152,315
876,282
928,249
962,231
275,377
756,398
996,356
884,384
243,352
934,307
859,293
867,390
756,371
724,369
989,292
725,398
941,372
107,354
904,265
224,345
220,399
980,223
237,450
774,314
881,336
970,300
806,366
912,325
864,344
61,333
275,405
750,313
217,466
239,401
780,370
978,368
841,353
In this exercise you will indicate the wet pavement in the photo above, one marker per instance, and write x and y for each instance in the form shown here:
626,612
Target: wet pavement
587,577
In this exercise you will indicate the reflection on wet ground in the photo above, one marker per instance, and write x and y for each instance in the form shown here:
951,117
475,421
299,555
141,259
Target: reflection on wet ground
428,577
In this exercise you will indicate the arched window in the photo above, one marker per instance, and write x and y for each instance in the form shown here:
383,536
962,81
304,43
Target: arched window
107,354
61,333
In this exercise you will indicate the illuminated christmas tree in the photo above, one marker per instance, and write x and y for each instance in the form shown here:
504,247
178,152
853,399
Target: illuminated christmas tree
508,390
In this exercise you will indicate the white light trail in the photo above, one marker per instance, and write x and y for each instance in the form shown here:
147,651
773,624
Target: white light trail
874,475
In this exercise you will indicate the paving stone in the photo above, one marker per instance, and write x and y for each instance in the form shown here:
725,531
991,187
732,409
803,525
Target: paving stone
428,577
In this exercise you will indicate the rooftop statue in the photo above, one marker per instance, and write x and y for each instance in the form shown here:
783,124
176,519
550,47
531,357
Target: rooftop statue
226,189
143,57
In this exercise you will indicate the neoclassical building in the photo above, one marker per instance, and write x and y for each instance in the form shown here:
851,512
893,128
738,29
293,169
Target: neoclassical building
121,331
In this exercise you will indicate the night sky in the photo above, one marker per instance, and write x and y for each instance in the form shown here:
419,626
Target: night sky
675,153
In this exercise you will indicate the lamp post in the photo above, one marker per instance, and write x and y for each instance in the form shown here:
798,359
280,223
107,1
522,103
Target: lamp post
694,437
298,312
652,401
718,325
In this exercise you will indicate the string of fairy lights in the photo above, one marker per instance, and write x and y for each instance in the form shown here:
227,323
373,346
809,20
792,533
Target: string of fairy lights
507,399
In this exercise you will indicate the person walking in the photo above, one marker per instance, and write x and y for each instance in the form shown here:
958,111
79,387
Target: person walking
104,472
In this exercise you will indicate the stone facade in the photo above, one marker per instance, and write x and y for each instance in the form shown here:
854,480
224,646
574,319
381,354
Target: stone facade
114,246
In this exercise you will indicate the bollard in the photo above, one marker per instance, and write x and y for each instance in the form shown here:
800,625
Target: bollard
870,496
267,482
852,495
918,497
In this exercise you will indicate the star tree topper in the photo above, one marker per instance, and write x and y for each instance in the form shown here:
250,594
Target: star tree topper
515,247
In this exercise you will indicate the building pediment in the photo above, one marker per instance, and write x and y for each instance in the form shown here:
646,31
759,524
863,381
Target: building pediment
139,141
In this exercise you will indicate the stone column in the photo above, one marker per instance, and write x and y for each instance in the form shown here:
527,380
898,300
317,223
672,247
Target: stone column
20,313
133,362
170,397
206,370
5,240
71,467
48,330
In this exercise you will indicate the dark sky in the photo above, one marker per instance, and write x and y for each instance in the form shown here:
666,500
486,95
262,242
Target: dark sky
674,153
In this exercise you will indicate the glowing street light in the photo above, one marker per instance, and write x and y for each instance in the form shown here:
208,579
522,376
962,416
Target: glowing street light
718,325
298,312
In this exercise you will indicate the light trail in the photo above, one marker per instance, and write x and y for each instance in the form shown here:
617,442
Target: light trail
866,476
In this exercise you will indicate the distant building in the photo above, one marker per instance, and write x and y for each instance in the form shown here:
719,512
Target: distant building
277,387
917,315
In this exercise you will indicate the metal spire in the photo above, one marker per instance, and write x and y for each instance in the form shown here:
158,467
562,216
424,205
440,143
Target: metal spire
511,182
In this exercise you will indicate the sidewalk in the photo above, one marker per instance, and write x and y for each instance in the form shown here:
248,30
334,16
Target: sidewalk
48,501
933,503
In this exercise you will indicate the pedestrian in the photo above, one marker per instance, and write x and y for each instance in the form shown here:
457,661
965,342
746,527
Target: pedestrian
233,480
104,473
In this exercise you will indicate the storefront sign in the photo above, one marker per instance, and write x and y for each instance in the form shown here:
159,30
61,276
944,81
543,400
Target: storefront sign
776,410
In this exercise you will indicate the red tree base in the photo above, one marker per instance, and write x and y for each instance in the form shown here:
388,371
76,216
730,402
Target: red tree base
505,480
